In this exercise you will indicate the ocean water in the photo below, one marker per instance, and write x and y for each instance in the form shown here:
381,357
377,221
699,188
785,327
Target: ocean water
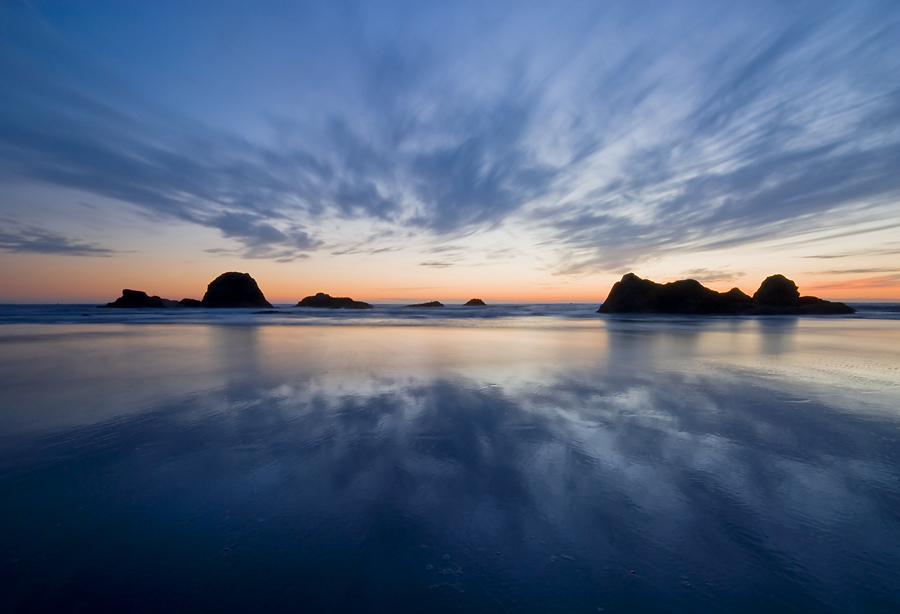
512,459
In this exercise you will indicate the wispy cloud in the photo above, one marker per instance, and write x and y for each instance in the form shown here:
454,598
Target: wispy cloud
611,136
881,281
34,240
710,276
889,251
856,271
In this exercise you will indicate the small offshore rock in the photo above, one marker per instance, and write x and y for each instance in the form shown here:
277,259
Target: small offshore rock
475,302
326,301
137,299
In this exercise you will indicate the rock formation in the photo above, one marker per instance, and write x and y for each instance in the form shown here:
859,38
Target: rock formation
234,290
136,299
777,295
326,301
226,290
429,304
475,302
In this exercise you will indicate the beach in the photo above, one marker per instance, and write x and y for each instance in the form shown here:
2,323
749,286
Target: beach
527,459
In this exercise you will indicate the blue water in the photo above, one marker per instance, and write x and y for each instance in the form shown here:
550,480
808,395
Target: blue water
515,459
512,314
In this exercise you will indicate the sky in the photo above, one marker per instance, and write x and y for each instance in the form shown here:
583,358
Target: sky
444,150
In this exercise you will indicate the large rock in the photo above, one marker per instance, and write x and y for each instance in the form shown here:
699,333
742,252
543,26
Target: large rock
777,291
234,290
475,302
777,295
326,301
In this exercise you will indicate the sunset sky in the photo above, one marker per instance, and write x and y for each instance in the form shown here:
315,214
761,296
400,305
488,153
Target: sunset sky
444,150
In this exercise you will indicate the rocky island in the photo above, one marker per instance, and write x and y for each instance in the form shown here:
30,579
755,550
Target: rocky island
777,295
428,304
228,290
136,299
475,302
326,301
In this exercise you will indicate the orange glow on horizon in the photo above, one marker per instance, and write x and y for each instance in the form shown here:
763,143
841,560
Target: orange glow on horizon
75,284
30,278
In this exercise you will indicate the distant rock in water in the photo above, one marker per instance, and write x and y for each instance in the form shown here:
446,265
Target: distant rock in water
777,295
136,299
226,290
475,302
429,304
326,301
234,290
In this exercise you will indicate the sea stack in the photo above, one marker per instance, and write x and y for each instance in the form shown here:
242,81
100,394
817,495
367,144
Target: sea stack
475,302
326,301
777,295
234,290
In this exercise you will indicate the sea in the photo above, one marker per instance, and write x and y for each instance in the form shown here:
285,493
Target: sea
510,458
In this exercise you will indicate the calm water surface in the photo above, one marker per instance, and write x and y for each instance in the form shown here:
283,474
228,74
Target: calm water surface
555,465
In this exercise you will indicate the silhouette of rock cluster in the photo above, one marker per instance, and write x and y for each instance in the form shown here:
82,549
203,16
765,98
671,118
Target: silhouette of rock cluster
777,295
227,290
475,302
136,299
428,304
326,301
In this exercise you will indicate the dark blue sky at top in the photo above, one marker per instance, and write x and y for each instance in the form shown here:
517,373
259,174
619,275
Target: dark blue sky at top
614,131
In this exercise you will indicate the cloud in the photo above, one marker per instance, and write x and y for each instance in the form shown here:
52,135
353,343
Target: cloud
883,281
612,143
890,251
709,276
768,148
856,271
37,241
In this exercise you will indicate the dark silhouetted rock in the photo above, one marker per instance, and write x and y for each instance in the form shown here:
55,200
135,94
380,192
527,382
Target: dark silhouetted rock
475,302
735,295
777,291
234,290
326,301
429,304
814,306
777,295
136,299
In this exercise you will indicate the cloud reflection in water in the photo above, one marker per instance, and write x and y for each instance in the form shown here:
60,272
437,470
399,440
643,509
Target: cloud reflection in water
357,476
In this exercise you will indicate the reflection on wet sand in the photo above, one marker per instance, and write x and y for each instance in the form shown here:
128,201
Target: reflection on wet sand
629,468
